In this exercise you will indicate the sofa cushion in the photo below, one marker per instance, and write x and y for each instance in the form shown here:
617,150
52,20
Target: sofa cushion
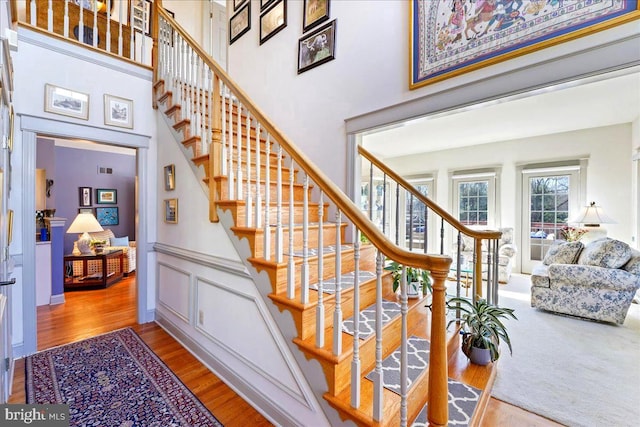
120,241
608,253
563,253
633,265
105,235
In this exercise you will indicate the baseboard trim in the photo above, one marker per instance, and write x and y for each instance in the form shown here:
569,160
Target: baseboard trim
57,299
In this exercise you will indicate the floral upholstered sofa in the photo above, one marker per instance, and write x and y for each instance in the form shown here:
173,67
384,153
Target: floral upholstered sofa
597,281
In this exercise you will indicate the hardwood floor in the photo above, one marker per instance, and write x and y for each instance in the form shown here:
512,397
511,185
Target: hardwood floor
90,313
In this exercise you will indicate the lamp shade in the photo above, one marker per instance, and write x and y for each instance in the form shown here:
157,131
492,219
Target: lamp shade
85,223
592,216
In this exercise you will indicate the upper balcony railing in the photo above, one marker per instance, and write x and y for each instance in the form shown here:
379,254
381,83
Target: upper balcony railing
120,28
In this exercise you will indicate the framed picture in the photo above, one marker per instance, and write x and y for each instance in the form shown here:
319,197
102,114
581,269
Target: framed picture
66,102
106,196
107,216
450,38
273,20
85,210
315,12
10,137
171,211
317,48
118,111
170,177
264,4
238,3
140,16
240,23
85,196
9,226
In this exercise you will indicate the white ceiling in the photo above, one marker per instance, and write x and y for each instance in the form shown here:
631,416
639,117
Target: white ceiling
552,110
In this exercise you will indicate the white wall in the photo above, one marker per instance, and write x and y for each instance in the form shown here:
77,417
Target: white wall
607,149
370,72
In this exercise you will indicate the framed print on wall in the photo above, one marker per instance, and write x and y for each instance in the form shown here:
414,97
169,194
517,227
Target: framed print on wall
170,177
118,111
85,210
105,196
317,48
85,196
171,211
315,12
273,20
107,216
66,102
448,39
240,23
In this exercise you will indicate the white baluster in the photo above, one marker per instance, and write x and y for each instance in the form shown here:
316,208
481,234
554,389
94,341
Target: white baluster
258,209
377,373
81,26
199,106
355,361
230,173
209,121
223,132
337,313
108,25
279,238
120,42
291,270
132,39
304,273
143,37
34,13
267,200
50,17
239,156
95,25
404,358
320,305
191,85
249,195
65,20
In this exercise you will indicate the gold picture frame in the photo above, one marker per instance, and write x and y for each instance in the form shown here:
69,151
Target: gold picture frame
9,226
170,177
171,211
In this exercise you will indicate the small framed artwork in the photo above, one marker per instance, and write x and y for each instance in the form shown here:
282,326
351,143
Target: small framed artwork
315,12
10,137
140,16
118,111
240,23
9,226
107,216
85,196
66,102
273,20
85,210
238,3
317,48
106,196
170,177
171,211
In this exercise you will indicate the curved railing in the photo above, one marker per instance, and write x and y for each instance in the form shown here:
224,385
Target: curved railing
245,156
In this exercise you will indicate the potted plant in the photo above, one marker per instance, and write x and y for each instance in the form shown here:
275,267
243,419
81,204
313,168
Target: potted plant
418,280
481,328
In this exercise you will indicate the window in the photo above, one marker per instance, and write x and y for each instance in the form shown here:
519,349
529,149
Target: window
474,199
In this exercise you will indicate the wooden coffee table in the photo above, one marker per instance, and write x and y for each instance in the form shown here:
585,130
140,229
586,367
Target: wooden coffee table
101,279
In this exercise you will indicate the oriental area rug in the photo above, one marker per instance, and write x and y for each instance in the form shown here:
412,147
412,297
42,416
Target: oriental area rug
113,380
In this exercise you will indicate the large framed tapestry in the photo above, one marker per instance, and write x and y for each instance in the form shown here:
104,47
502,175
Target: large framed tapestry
452,37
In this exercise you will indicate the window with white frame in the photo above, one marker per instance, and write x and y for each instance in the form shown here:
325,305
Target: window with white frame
474,198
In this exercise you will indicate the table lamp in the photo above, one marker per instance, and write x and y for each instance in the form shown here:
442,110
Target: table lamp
84,224
591,217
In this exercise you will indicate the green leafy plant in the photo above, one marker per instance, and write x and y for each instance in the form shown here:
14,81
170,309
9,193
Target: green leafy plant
413,275
481,325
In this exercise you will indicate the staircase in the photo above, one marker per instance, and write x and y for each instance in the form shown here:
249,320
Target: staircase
310,240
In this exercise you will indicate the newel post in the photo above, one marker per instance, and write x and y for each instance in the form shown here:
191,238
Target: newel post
438,400
155,51
215,152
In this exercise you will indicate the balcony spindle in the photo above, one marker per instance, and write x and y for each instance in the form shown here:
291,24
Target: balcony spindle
95,25
108,45
320,305
50,17
258,201
132,37
81,26
279,238
355,362
120,20
291,267
143,37
337,313
65,23
34,13
239,194
230,174
224,127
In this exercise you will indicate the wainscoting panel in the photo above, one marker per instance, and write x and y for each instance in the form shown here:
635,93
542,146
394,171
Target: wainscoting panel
174,285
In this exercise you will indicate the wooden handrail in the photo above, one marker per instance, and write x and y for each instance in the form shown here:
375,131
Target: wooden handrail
453,221
346,205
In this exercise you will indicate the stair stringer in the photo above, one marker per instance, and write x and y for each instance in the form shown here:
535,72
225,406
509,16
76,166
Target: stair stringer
311,368
292,402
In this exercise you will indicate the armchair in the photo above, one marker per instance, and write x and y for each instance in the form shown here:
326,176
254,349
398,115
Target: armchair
507,251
